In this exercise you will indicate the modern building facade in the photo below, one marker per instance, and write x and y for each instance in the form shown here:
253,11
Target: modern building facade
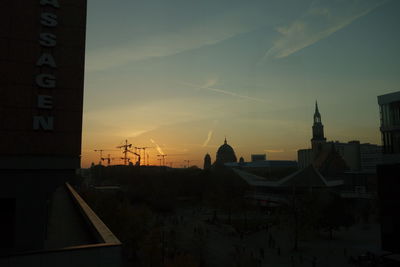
389,173
389,106
42,53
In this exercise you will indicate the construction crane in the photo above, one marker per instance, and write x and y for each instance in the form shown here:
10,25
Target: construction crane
169,155
138,155
125,151
163,158
144,153
188,162
109,159
101,153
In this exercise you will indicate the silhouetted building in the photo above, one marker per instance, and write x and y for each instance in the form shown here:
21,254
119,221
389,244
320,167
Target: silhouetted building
258,157
389,172
329,162
304,157
207,162
225,154
265,164
389,106
43,220
318,138
276,191
241,160
358,157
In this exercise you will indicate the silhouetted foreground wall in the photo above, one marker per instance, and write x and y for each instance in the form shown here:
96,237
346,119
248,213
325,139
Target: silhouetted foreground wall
389,190
92,255
105,249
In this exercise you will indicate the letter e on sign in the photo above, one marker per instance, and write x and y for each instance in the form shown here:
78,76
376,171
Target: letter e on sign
45,101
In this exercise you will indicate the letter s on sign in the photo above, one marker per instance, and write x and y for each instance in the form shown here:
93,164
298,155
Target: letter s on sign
48,39
48,19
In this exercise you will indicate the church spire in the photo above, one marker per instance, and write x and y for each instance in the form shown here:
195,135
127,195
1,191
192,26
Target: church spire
318,138
225,141
317,115
316,107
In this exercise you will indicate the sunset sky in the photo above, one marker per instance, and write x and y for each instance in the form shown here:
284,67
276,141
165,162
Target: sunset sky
180,75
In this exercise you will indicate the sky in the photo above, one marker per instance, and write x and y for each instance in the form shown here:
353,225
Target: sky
179,76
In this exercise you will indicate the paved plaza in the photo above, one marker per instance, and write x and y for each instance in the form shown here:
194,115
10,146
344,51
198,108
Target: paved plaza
223,246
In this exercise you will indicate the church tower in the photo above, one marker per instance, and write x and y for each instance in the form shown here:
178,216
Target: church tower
318,138
207,162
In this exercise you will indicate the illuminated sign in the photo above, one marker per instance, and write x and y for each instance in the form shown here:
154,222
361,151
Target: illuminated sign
42,60
46,80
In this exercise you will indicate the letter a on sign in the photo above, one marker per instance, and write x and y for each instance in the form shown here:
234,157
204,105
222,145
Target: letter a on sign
46,59
53,3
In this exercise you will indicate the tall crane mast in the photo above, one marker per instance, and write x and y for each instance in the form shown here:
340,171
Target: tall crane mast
101,154
125,148
144,153
163,158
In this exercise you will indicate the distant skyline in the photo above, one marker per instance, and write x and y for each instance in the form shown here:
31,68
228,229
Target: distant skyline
179,75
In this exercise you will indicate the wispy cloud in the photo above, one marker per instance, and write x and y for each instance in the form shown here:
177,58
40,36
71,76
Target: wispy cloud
157,147
209,83
210,133
323,18
215,29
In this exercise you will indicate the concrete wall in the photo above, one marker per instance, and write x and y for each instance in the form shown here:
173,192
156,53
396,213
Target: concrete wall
99,256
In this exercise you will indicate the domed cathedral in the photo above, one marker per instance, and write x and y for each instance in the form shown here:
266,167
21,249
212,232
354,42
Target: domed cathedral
318,139
225,154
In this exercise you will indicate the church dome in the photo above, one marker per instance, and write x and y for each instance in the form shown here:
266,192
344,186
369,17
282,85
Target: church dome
225,154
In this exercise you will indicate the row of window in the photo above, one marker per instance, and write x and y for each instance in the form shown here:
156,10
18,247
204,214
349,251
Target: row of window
390,114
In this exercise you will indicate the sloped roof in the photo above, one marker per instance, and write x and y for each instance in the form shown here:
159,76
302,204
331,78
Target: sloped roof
308,177
329,162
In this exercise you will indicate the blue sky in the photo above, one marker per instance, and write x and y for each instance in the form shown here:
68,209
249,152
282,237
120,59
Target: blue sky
187,73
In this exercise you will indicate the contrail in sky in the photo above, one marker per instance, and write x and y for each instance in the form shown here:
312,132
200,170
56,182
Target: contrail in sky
221,91
158,147
208,138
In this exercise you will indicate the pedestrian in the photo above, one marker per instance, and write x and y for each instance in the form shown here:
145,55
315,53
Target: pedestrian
314,262
279,251
292,260
345,252
262,253
301,258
